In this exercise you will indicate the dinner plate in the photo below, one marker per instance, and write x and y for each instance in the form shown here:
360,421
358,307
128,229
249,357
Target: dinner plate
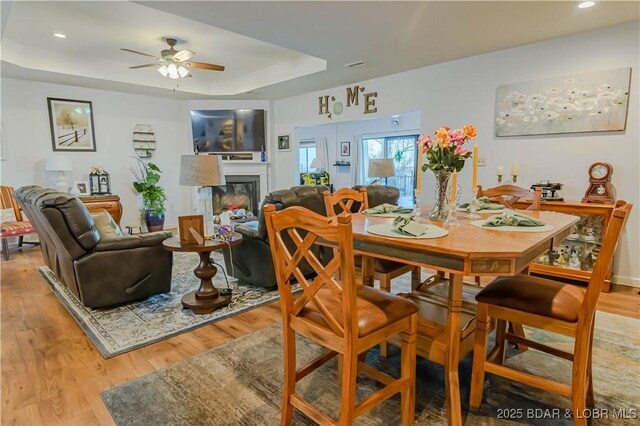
543,228
392,214
480,211
386,230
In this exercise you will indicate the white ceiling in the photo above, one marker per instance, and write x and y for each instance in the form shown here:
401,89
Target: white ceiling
278,49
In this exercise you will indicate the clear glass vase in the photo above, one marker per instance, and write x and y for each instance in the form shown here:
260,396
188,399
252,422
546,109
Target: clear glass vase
441,208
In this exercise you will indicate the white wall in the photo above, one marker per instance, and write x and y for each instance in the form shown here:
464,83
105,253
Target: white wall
348,131
463,91
27,140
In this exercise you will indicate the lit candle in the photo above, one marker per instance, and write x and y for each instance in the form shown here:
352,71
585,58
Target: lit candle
515,169
474,181
419,169
454,186
500,170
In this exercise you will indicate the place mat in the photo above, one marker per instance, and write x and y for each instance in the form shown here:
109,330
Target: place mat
392,214
386,230
464,210
543,228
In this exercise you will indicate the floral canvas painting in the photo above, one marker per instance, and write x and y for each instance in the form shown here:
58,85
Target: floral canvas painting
590,102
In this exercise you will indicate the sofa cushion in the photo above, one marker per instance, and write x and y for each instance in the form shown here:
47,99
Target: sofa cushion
534,295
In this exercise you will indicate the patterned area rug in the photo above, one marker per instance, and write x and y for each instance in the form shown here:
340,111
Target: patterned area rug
240,383
118,330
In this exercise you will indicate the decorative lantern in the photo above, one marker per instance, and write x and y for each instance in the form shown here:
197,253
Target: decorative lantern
99,181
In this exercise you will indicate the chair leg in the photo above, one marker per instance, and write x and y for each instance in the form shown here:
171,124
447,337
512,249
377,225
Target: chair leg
518,330
408,372
591,399
349,378
5,249
20,241
479,355
498,352
385,285
416,278
478,281
579,379
289,388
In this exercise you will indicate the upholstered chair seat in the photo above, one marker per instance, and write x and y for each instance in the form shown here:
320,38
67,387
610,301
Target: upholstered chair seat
535,295
376,309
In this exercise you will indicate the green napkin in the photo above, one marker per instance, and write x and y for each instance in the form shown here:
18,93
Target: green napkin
511,218
406,224
482,203
387,208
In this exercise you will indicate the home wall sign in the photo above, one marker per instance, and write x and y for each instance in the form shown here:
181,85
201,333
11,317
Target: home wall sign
330,105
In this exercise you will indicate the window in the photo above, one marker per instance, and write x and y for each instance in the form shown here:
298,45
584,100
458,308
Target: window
403,150
307,154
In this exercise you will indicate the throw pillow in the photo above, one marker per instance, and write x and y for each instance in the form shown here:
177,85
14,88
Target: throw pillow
106,226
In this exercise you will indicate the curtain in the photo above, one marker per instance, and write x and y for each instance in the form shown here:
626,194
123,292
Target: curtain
322,152
357,162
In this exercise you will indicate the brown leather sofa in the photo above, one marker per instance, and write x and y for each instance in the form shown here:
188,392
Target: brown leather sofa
99,268
251,261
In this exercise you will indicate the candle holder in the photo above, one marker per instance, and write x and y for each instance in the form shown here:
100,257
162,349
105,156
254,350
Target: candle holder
452,218
514,178
473,206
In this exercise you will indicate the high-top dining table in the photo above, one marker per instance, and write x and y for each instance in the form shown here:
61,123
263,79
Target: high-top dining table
446,328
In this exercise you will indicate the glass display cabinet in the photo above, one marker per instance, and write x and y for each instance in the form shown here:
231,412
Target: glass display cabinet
574,257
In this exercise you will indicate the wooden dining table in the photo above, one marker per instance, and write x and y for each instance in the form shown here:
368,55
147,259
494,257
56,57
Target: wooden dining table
446,328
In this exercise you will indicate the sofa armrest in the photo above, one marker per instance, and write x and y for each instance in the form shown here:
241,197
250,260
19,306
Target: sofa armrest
247,232
133,241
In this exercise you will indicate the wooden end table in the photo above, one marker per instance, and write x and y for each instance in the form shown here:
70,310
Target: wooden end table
207,298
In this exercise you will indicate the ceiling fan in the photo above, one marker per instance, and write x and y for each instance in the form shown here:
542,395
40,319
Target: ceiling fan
175,64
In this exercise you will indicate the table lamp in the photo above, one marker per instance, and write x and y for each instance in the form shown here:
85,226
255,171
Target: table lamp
381,168
203,171
61,164
316,164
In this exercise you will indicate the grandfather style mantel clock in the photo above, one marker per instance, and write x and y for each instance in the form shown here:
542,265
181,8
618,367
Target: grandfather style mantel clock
600,189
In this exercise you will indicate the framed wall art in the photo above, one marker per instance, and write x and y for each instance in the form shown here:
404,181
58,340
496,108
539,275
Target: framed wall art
589,102
71,125
284,143
345,149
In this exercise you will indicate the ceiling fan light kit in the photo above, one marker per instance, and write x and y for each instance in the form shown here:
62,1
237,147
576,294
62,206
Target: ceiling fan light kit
173,64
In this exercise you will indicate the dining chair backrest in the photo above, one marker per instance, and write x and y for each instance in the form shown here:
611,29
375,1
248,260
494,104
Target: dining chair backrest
8,202
344,200
600,272
508,195
304,228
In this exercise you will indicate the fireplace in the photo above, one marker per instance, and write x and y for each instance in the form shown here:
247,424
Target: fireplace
240,192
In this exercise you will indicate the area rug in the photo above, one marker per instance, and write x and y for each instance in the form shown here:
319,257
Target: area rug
121,329
240,383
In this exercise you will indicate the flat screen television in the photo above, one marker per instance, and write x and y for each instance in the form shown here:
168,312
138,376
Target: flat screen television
240,130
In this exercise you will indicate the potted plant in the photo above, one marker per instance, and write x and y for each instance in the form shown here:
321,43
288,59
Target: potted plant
153,197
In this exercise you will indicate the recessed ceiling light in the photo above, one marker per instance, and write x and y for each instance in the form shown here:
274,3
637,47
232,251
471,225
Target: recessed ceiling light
60,35
586,4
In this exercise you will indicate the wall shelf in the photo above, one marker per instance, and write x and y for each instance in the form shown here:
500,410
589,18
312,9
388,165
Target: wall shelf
342,164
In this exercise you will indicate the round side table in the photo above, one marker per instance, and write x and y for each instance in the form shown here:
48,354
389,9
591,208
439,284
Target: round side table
207,298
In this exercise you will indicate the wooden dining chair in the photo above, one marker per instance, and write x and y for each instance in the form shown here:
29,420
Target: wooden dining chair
547,305
337,314
508,195
356,201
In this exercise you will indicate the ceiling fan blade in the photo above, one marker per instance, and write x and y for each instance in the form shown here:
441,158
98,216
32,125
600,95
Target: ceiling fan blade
205,66
143,66
139,53
183,55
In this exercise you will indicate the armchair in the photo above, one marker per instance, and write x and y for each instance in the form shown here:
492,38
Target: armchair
99,267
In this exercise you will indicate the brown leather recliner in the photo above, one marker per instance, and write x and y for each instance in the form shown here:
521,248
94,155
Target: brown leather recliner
98,268
251,260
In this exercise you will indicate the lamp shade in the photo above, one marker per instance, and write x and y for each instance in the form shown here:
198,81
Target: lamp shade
201,170
381,167
59,163
316,164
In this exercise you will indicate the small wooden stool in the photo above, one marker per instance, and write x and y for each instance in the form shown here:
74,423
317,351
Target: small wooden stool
131,228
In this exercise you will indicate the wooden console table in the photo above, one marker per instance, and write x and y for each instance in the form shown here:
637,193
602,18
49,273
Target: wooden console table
98,203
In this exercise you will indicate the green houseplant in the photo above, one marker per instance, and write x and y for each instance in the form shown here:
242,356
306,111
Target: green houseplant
147,176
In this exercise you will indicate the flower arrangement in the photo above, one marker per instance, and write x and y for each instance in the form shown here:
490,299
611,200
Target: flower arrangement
446,151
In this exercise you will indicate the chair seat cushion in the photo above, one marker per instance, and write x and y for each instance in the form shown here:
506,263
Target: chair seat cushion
376,309
382,266
12,229
534,295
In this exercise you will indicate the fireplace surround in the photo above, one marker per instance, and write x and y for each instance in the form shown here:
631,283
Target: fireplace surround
240,192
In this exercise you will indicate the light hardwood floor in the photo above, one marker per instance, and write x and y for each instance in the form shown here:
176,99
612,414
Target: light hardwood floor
51,373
